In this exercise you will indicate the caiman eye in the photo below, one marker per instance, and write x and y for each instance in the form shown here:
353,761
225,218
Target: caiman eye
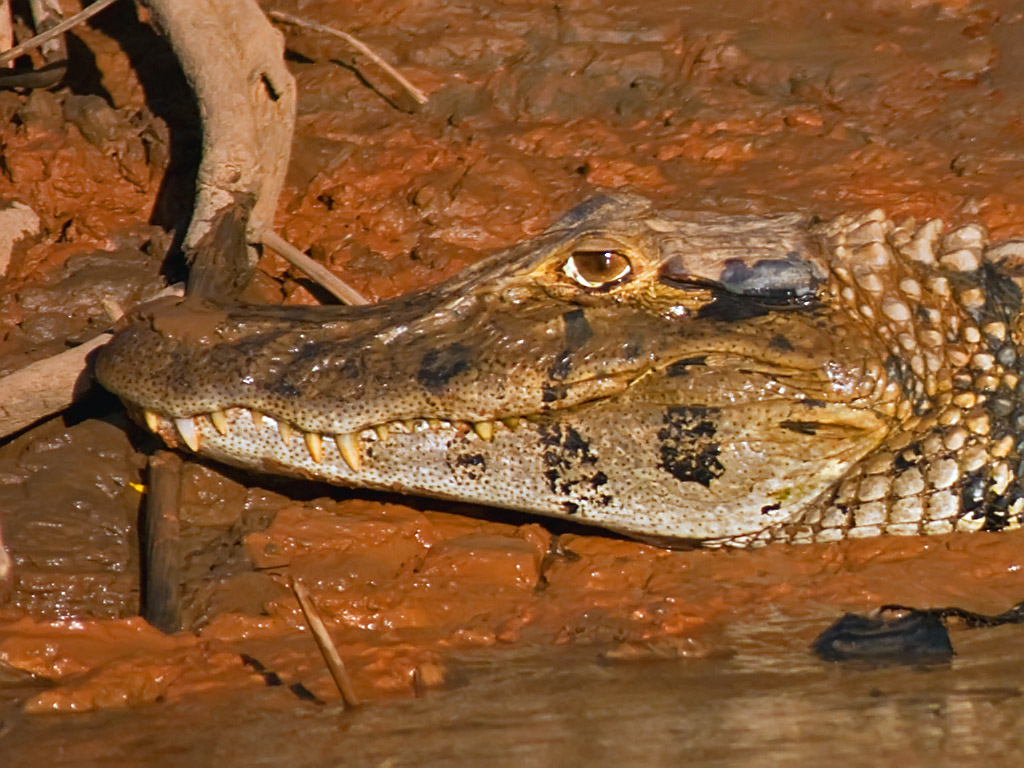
596,267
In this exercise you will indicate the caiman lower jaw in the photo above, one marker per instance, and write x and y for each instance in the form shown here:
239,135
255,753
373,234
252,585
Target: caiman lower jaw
188,430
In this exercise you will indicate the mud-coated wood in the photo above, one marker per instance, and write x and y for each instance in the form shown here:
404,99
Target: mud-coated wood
161,596
234,60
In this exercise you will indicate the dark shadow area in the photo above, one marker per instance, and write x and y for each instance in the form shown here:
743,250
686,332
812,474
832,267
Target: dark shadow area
169,97
84,77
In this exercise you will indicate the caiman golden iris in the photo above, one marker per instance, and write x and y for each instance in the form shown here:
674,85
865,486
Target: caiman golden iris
688,377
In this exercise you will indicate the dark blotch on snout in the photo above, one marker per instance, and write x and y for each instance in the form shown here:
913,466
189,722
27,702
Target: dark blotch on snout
577,333
442,365
689,451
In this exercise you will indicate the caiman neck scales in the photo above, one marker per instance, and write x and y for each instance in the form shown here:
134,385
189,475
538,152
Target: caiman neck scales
689,376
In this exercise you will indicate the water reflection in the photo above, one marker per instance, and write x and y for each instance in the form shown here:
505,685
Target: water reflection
771,704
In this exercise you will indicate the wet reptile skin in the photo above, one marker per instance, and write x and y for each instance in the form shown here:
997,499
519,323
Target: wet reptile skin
676,376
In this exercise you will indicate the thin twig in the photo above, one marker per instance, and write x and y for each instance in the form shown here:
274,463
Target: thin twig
57,31
320,274
360,46
326,646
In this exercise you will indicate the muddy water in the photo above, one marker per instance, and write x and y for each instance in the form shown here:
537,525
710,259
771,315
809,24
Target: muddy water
478,636
768,705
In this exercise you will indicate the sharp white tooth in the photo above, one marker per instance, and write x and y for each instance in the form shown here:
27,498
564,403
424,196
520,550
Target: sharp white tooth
484,428
257,418
512,422
187,430
152,421
410,425
382,432
348,445
220,421
399,426
286,432
315,446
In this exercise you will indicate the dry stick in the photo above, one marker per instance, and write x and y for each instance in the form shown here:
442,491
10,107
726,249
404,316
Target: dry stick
326,646
360,46
162,604
320,274
47,386
57,31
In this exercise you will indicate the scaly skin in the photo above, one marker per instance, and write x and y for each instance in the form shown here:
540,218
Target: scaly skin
684,377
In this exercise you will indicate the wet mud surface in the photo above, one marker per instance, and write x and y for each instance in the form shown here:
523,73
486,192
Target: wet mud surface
478,635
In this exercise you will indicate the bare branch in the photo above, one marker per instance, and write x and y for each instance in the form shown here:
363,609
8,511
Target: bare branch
326,646
320,274
234,61
360,46
47,386
71,21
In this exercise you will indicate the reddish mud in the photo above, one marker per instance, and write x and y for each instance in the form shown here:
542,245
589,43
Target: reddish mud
915,107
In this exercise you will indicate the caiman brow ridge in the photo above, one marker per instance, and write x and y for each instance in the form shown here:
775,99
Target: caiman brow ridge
684,376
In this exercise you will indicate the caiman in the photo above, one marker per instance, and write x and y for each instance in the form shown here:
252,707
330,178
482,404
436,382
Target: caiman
689,377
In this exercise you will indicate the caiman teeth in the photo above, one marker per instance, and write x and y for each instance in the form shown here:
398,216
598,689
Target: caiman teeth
315,446
348,445
286,432
220,421
187,430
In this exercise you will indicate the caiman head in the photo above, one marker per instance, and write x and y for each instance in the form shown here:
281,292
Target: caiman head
686,376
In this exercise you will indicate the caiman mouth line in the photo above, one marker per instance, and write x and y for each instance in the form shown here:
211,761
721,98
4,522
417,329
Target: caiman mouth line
349,445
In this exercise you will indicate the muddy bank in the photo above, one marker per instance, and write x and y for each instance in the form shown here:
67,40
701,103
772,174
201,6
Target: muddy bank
811,107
